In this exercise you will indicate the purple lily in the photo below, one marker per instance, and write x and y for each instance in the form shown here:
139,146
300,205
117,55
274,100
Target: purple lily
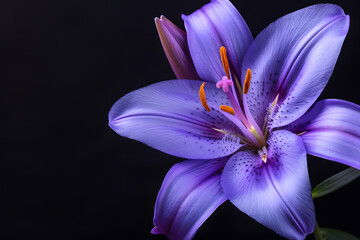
246,132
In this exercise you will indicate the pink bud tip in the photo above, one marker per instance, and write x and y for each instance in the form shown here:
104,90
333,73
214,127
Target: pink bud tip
155,230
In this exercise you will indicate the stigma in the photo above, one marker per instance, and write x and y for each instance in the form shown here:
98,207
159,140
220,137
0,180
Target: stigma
225,83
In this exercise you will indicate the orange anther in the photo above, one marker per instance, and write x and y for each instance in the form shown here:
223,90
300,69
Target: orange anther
247,81
203,97
227,109
225,61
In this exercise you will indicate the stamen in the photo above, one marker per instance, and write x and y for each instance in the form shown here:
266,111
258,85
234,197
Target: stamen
273,104
227,109
257,135
225,61
203,97
263,154
299,134
220,130
247,81
275,101
264,157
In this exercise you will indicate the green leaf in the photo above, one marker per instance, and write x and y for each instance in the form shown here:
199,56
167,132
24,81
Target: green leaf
335,182
317,232
334,234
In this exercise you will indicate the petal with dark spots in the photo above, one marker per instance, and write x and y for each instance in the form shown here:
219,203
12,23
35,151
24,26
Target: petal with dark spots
169,116
277,193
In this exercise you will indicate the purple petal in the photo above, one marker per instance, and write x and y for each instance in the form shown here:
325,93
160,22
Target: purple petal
216,24
169,116
190,193
294,57
277,193
331,130
174,42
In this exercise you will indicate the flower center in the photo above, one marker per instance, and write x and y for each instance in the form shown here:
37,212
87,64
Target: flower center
239,111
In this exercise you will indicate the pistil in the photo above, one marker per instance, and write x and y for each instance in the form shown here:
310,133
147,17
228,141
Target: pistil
226,84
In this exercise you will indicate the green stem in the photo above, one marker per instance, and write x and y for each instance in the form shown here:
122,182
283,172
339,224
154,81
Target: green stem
317,233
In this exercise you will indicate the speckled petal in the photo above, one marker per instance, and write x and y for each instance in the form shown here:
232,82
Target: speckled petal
331,130
190,193
277,193
217,24
169,116
294,57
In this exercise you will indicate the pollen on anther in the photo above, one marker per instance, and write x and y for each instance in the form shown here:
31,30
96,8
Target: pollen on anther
264,158
225,61
299,134
203,97
275,101
247,81
227,109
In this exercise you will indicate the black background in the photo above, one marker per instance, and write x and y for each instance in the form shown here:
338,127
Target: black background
64,173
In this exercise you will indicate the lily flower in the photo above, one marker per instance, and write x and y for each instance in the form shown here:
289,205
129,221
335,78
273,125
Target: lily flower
244,125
